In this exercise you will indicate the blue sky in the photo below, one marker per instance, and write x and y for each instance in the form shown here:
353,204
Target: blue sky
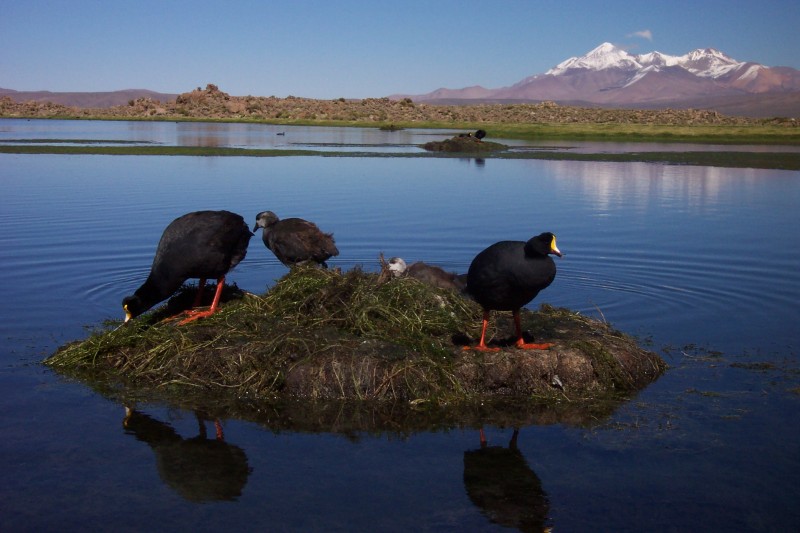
358,49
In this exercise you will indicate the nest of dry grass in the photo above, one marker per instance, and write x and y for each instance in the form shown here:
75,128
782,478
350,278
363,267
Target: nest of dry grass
323,334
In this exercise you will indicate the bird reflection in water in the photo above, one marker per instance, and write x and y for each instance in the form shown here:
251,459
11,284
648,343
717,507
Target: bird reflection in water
499,481
198,468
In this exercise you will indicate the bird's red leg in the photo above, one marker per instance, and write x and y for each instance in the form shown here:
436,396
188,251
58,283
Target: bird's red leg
198,298
218,428
521,342
218,294
194,315
482,344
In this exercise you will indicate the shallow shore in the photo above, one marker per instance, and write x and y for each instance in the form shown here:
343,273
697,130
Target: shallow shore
726,159
542,120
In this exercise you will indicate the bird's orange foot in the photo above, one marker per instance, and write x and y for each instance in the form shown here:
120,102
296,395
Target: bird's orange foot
194,315
482,348
533,346
174,317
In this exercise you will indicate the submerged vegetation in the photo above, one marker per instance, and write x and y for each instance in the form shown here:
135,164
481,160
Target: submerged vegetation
727,159
327,335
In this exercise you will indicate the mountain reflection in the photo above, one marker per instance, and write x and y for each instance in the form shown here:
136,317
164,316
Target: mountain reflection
198,468
640,185
499,481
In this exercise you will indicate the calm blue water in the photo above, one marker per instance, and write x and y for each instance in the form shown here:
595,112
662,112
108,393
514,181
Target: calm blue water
697,260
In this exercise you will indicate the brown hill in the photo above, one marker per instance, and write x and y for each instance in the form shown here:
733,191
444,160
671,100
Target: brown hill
214,104
95,99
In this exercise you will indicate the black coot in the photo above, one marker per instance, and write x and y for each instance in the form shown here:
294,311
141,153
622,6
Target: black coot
509,274
202,244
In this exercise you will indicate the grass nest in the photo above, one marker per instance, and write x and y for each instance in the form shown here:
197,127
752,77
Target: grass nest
326,334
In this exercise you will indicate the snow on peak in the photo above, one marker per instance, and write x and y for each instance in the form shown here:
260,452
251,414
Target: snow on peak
703,53
657,59
641,74
603,57
751,72
704,62
708,63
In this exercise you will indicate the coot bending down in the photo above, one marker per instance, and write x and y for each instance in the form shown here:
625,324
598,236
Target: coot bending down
202,244
509,274
295,241
430,274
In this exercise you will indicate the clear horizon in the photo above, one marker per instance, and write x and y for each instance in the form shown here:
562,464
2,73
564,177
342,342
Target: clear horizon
355,49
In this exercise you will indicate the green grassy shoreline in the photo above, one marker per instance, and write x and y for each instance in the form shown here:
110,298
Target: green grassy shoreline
726,159
766,133
782,133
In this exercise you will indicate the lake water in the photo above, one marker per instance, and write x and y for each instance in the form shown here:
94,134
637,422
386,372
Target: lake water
700,263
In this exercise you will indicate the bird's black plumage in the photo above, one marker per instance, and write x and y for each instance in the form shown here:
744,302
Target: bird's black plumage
295,240
480,134
202,244
509,274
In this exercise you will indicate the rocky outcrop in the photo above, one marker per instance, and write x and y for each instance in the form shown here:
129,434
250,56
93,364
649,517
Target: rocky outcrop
213,104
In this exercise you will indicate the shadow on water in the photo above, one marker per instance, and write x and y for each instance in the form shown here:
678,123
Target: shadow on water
198,468
498,479
500,483
205,467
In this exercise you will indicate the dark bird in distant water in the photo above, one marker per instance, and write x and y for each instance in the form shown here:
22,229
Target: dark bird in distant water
202,244
295,241
480,134
430,274
509,274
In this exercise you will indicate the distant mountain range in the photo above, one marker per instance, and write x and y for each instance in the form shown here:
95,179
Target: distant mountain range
607,76
98,99
611,77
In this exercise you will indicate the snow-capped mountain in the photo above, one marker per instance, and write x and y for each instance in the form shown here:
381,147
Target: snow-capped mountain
609,75
706,63
605,56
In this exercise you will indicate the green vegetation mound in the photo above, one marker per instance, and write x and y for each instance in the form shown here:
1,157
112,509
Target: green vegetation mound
464,144
320,334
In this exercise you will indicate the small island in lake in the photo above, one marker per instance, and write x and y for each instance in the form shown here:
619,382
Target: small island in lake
465,143
326,334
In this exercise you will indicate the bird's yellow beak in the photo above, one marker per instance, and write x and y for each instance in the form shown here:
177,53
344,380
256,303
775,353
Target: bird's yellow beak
128,315
553,248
